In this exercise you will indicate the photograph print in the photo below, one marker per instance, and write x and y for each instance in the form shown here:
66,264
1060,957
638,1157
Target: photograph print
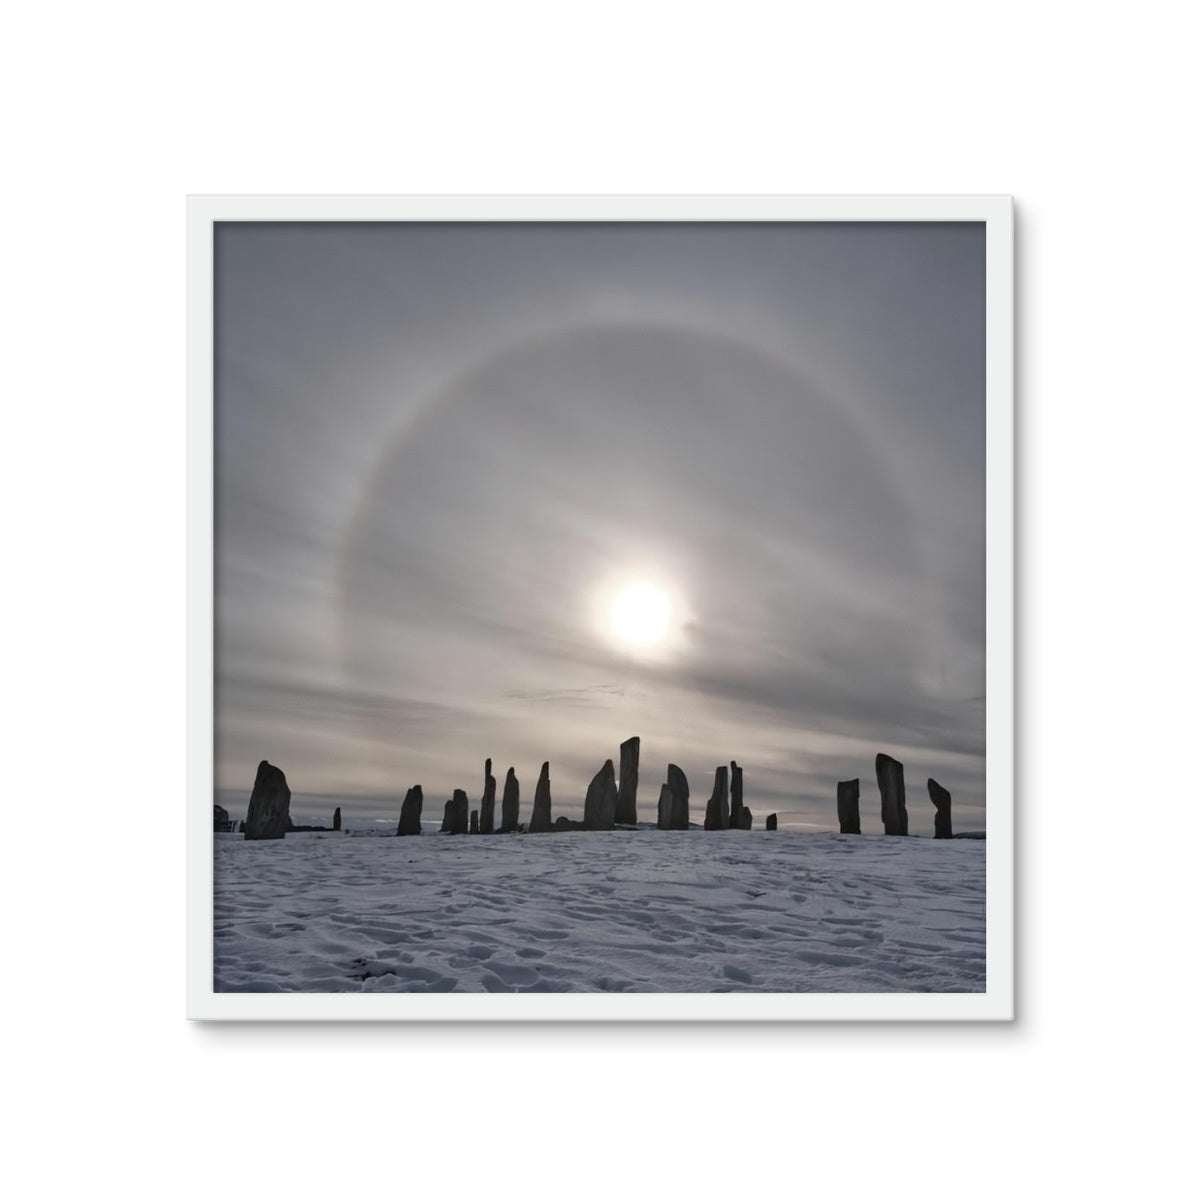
600,606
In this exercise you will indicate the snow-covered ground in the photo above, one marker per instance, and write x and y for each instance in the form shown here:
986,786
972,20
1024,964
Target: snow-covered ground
632,910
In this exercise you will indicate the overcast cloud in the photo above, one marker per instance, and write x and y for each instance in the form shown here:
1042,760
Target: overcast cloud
441,449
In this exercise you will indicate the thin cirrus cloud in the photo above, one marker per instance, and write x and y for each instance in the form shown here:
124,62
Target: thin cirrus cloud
439,448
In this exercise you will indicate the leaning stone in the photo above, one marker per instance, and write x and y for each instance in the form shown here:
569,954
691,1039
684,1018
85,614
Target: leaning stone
540,821
455,819
410,812
474,828
600,804
510,804
772,822
268,816
487,806
680,794
941,802
337,819
627,793
847,802
717,814
735,796
890,775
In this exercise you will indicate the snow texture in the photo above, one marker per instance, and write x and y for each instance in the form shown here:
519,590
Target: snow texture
627,911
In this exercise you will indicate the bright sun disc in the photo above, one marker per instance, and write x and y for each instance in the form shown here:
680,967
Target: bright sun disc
639,614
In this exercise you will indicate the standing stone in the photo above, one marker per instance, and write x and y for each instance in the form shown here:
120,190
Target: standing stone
337,819
627,795
410,812
454,820
221,822
540,821
487,806
268,815
848,818
666,802
745,818
890,775
941,818
735,796
717,814
680,794
772,822
510,803
600,804
474,828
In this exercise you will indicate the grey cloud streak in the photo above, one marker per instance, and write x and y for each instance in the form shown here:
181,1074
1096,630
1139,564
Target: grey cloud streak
435,444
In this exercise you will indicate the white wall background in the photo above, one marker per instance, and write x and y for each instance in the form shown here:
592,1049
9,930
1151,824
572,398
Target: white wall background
114,112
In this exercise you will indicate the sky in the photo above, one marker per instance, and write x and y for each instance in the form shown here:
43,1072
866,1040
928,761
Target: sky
522,491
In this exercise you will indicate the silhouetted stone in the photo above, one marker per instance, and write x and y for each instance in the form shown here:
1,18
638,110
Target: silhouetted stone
540,821
221,821
745,818
666,802
772,822
735,796
890,775
717,814
455,818
680,794
268,817
847,802
487,806
337,820
941,818
600,804
474,821
410,812
510,803
627,792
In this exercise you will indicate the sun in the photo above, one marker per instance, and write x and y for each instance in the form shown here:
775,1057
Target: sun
639,614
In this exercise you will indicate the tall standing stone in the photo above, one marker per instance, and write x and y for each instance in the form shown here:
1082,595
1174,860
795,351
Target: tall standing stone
890,775
540,821
510,803
337,819
487,806
268,816
600,804
474,828
848,818
772,822
455,817
735,796
666,802
941,802
627,794
717,814
745,818
680,794
410,812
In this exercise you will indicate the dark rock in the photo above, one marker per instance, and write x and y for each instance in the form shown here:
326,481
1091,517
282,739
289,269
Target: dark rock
666,803
600,804
941,802
221,821
337,820
510,804
455,818
735,796
487,806
474,821
562,824
890,775
847,802
680,794
717,814
410,812
772,822
268,817
540,821
745,818
627,792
